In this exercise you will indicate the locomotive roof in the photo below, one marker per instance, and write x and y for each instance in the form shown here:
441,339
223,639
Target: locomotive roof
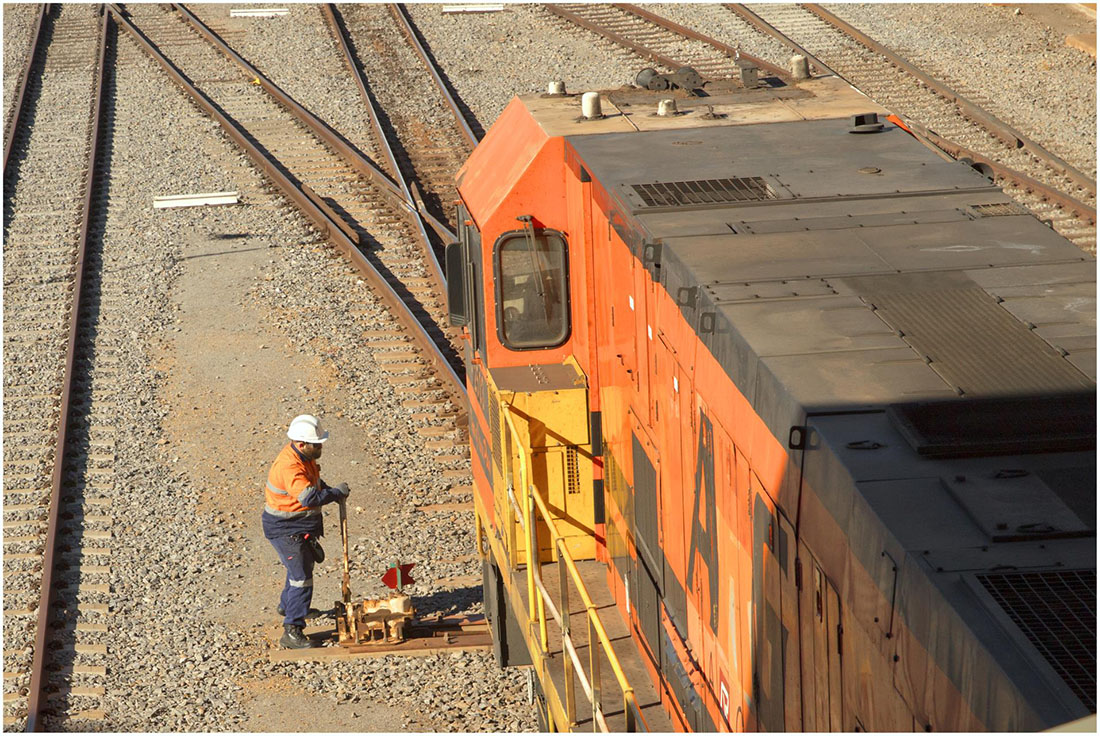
862,272
834,227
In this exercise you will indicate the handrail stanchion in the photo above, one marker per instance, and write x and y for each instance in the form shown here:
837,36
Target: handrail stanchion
532,554
536,573
567,662
594,668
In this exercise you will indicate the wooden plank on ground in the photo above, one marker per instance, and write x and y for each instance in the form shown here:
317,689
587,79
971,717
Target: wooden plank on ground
195,200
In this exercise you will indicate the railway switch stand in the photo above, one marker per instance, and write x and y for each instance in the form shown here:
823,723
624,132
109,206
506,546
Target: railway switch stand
374,621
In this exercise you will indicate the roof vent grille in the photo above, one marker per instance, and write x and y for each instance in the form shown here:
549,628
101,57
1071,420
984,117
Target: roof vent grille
704,191
1056,610
999,426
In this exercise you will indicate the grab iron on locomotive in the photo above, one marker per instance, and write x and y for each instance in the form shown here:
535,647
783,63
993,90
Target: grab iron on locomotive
780,419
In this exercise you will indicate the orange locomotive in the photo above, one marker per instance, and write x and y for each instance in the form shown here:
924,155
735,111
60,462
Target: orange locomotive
780,420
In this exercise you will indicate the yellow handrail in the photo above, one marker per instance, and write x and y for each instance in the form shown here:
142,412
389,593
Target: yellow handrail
537,594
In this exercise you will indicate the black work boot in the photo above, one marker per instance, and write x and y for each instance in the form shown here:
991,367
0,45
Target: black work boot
293,638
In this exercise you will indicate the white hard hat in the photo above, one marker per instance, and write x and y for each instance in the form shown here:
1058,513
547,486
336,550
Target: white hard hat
306,428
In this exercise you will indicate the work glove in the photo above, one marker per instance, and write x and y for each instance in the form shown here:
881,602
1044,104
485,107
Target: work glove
342,489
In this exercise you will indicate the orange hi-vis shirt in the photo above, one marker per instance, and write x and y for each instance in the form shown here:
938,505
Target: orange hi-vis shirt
292,483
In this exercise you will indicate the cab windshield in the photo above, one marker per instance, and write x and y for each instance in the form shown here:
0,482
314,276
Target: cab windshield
532,289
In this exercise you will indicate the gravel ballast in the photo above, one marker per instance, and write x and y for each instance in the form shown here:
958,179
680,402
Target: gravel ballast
722,25
489,58
299,54
169,668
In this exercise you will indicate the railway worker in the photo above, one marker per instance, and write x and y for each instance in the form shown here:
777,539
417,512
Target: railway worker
292,520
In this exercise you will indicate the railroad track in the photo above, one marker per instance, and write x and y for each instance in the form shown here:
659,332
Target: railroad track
660,40
347,196
58,380
424,136
1051,188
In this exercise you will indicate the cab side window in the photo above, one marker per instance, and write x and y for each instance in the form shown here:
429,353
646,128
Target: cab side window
532,289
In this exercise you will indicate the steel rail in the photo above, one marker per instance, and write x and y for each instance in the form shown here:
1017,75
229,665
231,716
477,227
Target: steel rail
340,33
1060,199
768,29
732,52
647,53
334,140
21,92
36,697
440,227
1005,132
403,20
309,206
318,127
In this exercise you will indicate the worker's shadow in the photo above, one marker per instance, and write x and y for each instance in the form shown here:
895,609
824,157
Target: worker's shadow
447,602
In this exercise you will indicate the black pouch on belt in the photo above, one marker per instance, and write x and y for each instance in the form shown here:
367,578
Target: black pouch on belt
316,548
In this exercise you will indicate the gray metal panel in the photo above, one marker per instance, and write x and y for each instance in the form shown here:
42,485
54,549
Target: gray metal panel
761,290
921,514
1062,306
820,158
847,221
1025,556
1012,505
977,494
714,221
740,258
961,245
990,241
810,325
857,379
995,280
1075,483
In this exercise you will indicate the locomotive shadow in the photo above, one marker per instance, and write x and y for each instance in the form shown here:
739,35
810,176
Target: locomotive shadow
447,602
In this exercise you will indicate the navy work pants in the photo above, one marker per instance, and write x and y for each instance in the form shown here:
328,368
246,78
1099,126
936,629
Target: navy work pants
296,554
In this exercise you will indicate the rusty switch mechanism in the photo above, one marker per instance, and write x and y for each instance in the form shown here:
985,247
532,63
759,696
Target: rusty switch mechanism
372,620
